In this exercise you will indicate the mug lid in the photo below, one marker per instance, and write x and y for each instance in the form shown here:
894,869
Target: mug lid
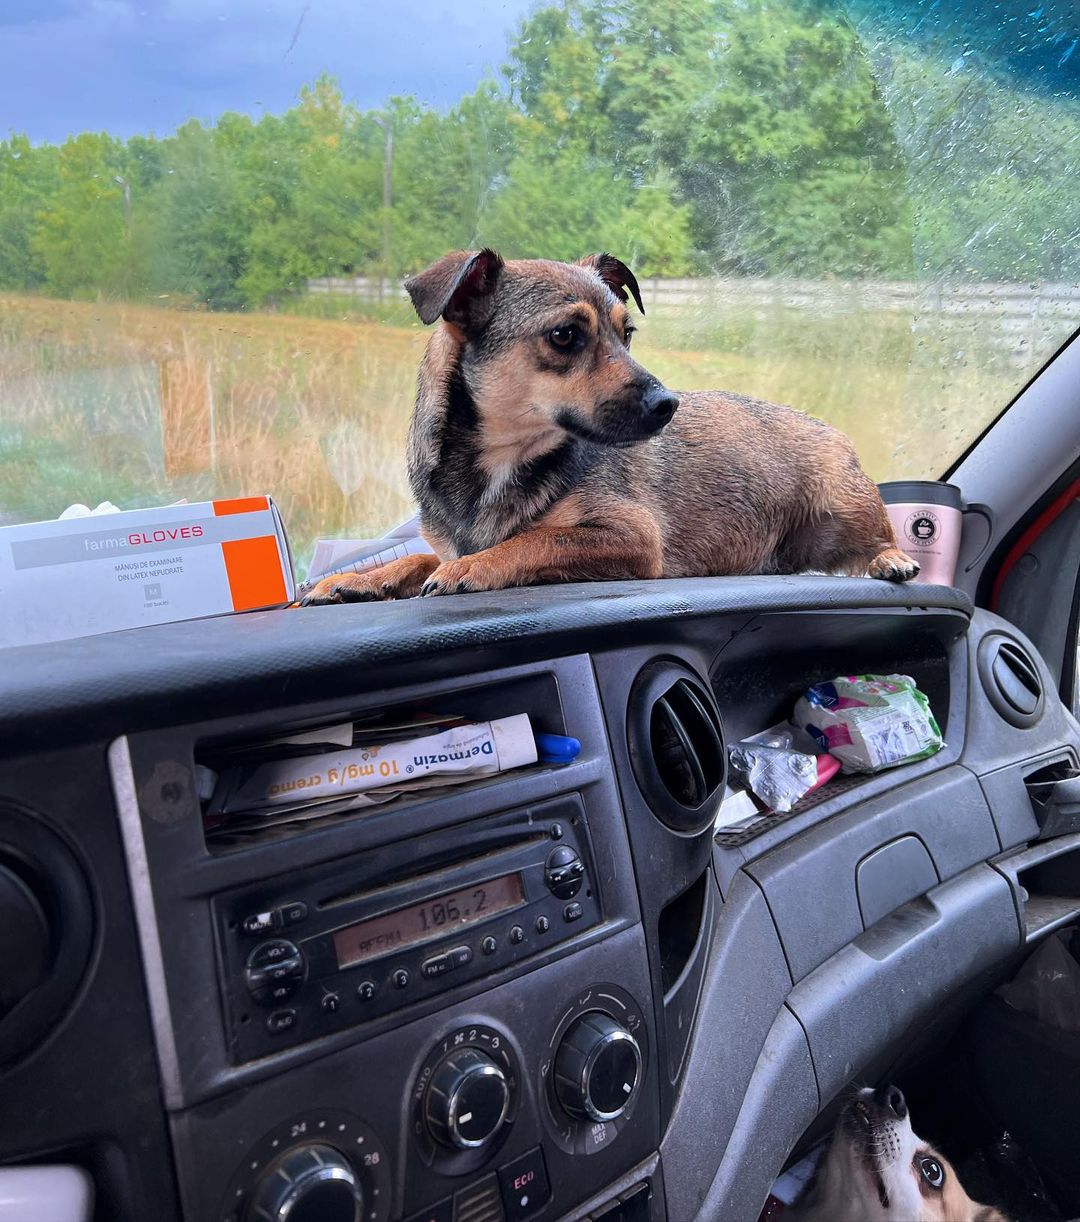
915,491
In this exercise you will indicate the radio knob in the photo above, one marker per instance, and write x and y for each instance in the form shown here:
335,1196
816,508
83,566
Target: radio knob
274,971
563,872
467,1099
597,1068
312,1183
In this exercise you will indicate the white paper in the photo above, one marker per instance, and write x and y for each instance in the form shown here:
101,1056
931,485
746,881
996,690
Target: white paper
334,555
364,560
737,807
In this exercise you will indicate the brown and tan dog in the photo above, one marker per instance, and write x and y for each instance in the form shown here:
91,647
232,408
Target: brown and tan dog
877,1169
541,451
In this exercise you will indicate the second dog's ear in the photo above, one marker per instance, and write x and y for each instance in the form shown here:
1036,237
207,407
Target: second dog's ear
616,275
453,287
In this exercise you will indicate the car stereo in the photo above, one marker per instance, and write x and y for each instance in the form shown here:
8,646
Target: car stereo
342,944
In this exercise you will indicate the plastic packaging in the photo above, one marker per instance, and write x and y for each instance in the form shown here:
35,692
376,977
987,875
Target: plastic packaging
870,722
1047,986
777,775
467,751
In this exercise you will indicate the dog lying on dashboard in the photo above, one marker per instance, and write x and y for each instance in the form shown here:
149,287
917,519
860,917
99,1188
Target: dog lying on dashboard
877,1170
541,451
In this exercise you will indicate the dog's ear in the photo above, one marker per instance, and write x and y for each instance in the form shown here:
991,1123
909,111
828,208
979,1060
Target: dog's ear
453,287
615,274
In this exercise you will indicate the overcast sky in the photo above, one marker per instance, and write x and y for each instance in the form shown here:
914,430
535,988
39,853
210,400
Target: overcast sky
128,66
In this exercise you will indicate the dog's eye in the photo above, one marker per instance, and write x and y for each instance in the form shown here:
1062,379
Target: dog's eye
628,334
932,1171
565,338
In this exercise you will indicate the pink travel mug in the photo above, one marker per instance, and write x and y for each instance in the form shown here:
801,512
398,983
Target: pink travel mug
928,518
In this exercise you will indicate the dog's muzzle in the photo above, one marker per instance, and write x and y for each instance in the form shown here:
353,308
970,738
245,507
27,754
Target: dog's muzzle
658,405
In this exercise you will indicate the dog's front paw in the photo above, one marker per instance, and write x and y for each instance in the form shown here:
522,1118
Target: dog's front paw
346,588
893,565
401,579
468,575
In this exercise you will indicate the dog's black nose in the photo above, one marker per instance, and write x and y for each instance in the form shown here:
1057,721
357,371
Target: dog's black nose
891,1099
659,404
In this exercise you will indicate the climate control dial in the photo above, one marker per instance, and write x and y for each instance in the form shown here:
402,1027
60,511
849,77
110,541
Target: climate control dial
310,1183
597,1068
467,1099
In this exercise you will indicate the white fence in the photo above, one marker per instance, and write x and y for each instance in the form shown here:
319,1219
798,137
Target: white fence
1013,317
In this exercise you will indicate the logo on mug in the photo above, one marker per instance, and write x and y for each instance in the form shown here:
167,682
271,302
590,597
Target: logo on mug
922,527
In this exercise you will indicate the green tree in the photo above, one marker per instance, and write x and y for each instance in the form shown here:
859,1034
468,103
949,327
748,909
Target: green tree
728,97
199,218
83,233
29,177
315,190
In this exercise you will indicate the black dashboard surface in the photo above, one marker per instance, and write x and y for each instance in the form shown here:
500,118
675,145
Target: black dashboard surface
103,685
754,966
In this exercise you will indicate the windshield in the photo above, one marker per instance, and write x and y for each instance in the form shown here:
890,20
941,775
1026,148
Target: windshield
866,210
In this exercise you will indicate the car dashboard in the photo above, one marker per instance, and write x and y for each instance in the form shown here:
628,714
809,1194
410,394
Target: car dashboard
628,1015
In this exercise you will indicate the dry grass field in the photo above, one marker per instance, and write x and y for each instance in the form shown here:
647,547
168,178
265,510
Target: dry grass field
143,405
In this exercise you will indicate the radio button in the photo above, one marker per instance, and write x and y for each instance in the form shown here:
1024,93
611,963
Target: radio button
280,1021
489,945
573,912
272,952
542,924
258,922
517,934
281,991
292,914
460,955
437,965
331,1003
284,969
271,977
400,978
365,990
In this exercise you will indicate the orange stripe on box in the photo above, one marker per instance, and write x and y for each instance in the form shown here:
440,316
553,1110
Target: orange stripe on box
242,504
253,567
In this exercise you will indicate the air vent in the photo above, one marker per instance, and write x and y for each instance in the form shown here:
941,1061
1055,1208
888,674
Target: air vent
676,746
1011,680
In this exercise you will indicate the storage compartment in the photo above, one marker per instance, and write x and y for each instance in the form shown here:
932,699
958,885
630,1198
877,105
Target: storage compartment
535,695
1055,797
1046,878
770,664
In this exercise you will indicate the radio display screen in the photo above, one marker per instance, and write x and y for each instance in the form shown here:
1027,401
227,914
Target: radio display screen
434,918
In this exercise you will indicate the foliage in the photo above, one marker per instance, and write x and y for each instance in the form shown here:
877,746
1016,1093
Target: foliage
746,137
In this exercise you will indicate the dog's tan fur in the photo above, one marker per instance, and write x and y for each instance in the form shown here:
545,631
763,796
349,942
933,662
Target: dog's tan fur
533,464
872,1171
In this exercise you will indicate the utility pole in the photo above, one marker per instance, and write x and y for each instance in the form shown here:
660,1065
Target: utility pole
387,199
126,185
123,182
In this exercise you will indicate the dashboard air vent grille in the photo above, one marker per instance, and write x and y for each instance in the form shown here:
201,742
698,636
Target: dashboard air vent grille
1011,680
677,746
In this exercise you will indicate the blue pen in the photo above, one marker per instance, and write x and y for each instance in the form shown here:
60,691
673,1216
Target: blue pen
556,748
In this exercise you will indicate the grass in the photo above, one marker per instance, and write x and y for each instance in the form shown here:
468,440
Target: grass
314,410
